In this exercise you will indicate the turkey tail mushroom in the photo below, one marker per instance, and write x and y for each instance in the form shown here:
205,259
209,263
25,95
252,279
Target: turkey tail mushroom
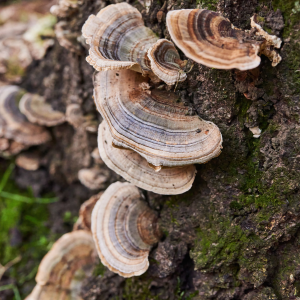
153,122
119,40
38,111
135,169
14,124
61,272
210,39
124,229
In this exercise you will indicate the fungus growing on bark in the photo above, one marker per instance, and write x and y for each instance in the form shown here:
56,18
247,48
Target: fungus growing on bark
65,7
270,42
16,125
61,272
94,178
124,229
85,213
153,124
256,131
135,169
210,39
119,40
166,63
38,111
10,147
29,161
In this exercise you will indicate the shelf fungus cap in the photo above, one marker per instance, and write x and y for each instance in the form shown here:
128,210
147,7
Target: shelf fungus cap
118,39
38,111
210,39
153,122
94,178
29,161
124,229
135,169
16,125
85,213
166,63
61,272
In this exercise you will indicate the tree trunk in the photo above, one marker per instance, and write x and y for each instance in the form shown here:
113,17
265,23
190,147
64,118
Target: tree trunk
235,234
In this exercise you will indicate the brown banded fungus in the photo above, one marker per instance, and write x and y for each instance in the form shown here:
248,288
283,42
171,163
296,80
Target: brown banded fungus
135,169
14,124
61,272
38,111
153,123
85,213
119,40
210,39
166,63
94,178
124,229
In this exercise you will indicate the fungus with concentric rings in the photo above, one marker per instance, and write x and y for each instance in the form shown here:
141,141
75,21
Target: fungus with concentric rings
119,40
135,169
124,229
210,39
154,122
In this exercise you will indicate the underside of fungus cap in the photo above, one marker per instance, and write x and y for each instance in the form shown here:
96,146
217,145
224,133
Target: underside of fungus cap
153,123
38,111
166,63
209,39
94,178
16,125
118,39
61,272
135,169
124,229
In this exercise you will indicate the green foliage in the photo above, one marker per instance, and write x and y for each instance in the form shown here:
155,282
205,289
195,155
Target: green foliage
24,233
208,4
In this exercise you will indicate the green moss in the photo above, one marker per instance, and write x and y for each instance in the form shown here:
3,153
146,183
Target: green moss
23,233
208,4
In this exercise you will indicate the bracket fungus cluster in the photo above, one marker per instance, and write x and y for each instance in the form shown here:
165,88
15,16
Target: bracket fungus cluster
124,229
135,169
152,122
13,124
61,272
119,40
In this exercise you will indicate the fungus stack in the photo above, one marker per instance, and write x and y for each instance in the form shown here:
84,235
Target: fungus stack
119,40
14,125
153,123
135,169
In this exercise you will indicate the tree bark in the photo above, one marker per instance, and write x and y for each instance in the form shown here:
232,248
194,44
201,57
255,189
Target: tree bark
235,234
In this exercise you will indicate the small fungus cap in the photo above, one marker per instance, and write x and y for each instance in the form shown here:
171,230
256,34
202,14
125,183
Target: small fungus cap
135,169
209,39
29,161
124,229
85,213
38,111
153,122
94,178
61,272
16,125
166,63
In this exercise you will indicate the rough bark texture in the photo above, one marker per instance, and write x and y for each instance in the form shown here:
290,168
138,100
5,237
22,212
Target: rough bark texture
235,235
